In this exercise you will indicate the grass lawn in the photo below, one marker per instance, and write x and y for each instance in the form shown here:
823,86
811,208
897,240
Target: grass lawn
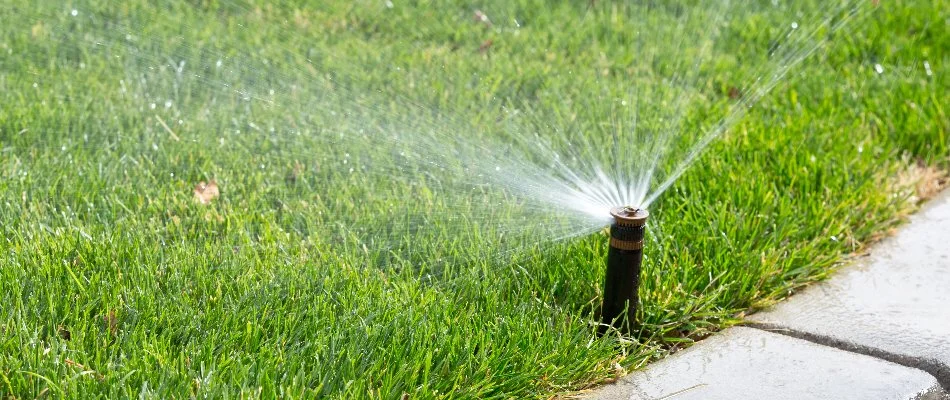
115,282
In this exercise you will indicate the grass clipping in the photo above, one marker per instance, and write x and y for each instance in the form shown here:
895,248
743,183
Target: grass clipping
921,182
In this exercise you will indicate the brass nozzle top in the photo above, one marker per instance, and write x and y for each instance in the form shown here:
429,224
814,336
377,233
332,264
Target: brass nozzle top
629,216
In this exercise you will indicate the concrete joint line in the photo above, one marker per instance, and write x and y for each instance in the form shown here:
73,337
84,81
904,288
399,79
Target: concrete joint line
930,366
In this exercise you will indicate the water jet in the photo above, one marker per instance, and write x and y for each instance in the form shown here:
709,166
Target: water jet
624,258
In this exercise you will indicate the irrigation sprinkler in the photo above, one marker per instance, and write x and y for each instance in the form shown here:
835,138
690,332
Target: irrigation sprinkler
624,257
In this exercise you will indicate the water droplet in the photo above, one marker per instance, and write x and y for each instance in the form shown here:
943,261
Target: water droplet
834,238
218,64
36,85
879,68
74,12
168,103
794,25
152,106
389,4
927,69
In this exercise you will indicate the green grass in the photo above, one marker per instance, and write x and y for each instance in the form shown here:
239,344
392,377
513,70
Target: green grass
114,282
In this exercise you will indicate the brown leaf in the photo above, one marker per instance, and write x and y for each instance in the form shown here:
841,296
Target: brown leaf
205,192
295,172
734,93
64,333
485,46
111,322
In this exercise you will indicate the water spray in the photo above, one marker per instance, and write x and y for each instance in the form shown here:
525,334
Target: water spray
624,257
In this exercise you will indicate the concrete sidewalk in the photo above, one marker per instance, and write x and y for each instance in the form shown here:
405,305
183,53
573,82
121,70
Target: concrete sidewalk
879,329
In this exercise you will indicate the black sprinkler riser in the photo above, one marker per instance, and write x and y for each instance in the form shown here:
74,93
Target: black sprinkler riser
624,259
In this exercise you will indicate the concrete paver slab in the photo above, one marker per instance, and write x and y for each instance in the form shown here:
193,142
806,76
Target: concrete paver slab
747,363
893,305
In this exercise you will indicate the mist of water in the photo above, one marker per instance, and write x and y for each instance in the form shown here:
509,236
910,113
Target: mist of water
403,178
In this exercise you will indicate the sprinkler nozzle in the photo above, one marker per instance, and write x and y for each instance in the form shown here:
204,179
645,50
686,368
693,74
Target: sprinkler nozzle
624,257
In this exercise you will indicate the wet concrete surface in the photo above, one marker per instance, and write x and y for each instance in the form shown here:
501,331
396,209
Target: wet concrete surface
894,304
748,363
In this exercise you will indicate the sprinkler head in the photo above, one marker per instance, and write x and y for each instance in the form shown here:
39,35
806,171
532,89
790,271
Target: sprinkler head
626,233
624,258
